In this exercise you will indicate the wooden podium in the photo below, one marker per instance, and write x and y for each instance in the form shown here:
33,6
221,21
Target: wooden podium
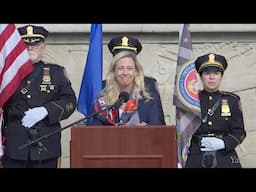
123,147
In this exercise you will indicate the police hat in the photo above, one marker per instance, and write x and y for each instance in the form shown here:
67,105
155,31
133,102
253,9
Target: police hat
211,62
122,43
33,34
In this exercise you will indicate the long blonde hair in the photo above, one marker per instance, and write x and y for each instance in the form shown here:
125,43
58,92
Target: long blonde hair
112,90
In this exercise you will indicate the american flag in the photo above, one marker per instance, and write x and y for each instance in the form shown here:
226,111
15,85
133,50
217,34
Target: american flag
186,97
14,65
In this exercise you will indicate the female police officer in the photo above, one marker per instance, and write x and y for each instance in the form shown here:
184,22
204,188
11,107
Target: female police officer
222,128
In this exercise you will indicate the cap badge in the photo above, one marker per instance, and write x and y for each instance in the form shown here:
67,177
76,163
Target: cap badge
29,30
212,59
125,41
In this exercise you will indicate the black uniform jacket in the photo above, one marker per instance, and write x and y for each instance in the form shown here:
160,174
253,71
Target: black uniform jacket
46,86
226,123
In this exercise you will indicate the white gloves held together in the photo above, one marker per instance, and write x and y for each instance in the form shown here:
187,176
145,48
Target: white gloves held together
33,116
211,144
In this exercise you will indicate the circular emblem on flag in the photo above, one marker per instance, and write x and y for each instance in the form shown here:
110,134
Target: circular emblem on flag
187,86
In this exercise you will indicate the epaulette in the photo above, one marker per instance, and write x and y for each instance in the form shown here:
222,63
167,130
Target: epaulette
230,94
53,64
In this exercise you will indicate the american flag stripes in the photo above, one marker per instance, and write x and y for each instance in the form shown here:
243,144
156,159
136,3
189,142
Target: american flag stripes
14,65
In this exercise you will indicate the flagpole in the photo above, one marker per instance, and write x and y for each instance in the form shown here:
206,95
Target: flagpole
188,115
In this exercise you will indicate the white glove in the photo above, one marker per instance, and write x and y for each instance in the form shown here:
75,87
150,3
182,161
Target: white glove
212,144
179,165
1,151
33,116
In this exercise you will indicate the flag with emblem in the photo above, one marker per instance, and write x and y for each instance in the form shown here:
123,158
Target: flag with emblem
15,65
186,95
92,77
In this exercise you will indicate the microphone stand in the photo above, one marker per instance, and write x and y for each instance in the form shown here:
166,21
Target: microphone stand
63,128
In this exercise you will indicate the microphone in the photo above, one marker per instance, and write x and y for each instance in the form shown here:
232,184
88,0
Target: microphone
123,97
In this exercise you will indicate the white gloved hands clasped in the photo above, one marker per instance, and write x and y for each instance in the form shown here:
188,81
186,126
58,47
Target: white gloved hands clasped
33,116
212,144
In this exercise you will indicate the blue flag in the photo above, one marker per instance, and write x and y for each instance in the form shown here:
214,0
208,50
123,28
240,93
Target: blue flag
92,77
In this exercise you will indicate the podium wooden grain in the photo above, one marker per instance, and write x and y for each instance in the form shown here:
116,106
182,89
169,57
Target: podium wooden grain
123,147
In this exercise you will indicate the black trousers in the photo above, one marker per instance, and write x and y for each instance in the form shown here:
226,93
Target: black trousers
14,163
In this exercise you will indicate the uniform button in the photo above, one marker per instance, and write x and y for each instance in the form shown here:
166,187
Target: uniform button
28,96
209,123
210,97
210,112
28,82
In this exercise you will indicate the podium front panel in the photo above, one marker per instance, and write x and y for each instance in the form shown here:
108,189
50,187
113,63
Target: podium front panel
123,147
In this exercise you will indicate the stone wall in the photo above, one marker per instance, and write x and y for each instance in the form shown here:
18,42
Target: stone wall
159,55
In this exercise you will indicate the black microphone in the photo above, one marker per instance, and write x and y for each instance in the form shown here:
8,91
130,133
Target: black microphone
123,97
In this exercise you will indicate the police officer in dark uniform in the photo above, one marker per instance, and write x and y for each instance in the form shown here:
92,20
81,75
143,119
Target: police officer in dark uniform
44,98
222,128
116,45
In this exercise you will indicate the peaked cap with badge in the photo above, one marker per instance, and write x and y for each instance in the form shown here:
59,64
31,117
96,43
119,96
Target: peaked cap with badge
32,34
211,62
124,42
